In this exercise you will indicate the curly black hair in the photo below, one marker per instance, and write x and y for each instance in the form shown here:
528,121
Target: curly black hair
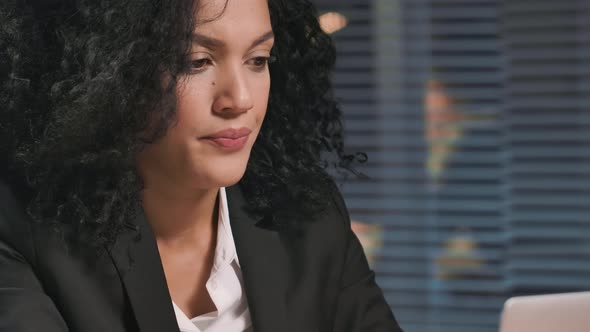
81,86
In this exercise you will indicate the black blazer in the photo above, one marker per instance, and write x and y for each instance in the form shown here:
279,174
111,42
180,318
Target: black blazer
315,280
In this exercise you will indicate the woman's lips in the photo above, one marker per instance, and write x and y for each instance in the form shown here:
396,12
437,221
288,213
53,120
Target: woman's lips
229,139
229,143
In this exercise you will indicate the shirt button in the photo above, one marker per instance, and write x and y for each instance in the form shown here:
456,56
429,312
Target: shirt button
213,284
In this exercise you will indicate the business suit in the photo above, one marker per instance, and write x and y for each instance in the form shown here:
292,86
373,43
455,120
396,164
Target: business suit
313,280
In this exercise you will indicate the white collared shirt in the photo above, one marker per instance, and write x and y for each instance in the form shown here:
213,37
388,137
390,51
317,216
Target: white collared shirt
225,286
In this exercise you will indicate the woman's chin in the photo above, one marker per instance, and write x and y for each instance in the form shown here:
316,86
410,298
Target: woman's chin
224,175
232,179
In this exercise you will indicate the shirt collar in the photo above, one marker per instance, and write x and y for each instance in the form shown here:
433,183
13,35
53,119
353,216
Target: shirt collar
225,251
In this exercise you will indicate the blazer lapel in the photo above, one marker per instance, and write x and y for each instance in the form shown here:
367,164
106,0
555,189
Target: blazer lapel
136,256
263,264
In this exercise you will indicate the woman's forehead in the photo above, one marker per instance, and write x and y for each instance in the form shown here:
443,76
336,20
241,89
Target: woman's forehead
209,11
230,21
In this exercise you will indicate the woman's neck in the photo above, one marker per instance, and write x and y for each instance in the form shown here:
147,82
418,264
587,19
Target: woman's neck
178,218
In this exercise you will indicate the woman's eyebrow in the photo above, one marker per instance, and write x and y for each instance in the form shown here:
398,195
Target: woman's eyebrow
266,36
214,43
208,42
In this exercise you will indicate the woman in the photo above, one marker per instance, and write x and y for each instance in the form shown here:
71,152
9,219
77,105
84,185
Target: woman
142,191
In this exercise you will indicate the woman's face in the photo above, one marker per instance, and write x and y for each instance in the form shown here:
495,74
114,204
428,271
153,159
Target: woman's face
221,100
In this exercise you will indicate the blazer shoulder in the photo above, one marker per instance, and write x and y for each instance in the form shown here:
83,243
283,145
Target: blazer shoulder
15,224
337,200
329,227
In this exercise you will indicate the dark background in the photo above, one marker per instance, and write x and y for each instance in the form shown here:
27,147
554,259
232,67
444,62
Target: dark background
475,115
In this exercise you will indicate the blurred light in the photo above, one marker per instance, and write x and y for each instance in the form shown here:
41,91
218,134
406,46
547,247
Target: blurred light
332,22
370,237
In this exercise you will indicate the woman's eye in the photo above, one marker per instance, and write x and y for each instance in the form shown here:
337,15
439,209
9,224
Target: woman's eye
261,62
200,64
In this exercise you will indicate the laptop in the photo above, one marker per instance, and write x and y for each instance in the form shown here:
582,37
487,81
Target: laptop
566,312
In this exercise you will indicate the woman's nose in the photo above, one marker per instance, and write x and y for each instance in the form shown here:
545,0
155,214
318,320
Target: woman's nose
234,96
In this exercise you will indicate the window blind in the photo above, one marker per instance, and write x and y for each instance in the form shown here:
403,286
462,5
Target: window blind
548,144
474,115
